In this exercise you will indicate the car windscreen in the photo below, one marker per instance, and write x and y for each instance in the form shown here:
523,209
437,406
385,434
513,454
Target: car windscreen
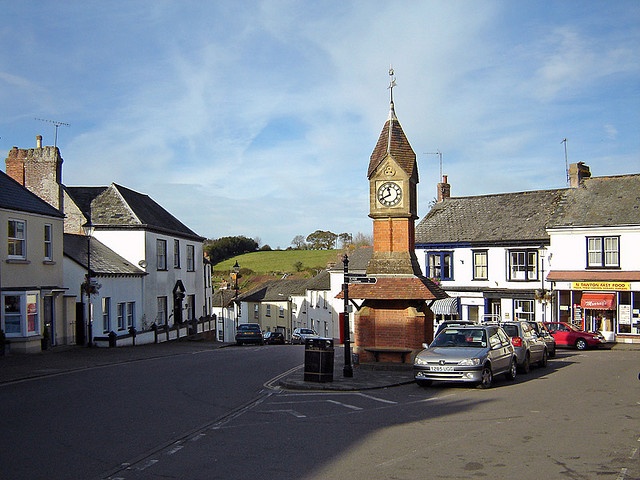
458,337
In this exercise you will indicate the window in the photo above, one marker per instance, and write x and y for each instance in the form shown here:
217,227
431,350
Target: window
48,242
176,254
281,312
440,265
523,310
161,316
121,313
131,306
161,254
21,314
523,265
256,311
603,252
480,271
268,312
17,244
106,314
191,307
191,266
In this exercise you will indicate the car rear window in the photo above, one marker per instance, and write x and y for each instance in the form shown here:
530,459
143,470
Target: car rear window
511,330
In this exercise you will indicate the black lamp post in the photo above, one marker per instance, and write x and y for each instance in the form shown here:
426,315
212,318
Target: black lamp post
543,292
347,371
236,271
88,231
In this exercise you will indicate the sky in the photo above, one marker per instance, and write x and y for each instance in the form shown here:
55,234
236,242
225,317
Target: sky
258,118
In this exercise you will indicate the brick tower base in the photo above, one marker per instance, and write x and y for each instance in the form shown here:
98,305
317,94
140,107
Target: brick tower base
386,328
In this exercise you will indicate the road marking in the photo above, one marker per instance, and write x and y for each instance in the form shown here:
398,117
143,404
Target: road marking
175,449
377,399
346,405
634,452
147,464
197,437
290,412
623,473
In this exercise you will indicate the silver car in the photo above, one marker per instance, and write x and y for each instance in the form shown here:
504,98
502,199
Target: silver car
474,354
529,347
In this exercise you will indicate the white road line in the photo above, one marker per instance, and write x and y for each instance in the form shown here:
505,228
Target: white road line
623,473
377,399
346,405
290,412
175,449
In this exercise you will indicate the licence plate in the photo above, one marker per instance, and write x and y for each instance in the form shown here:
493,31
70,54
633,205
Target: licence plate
440,368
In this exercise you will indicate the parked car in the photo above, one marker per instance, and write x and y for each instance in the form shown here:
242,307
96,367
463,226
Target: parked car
529,347
272,338
450,323
249,333
301,335
544,333
568,335
473,353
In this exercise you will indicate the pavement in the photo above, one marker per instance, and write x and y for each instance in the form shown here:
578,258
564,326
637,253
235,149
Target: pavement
57,360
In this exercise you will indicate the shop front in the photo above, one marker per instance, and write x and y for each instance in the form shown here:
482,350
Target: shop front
612,308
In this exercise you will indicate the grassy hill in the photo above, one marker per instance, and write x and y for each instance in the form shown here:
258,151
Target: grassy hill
255,267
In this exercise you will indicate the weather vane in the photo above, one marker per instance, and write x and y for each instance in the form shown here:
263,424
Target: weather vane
392,81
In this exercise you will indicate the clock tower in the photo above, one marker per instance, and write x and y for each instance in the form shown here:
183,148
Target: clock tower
393,179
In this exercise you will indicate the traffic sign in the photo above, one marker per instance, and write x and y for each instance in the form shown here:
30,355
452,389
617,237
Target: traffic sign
361,279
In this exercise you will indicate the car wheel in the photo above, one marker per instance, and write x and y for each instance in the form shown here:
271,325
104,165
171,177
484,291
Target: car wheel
543,361
552,353
526,365
513,370
423,383
487,377
238,343
581,344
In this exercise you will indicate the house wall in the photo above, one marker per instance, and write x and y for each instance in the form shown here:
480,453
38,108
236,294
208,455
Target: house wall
34,274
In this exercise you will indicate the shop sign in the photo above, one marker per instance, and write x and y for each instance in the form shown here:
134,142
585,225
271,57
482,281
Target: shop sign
601,286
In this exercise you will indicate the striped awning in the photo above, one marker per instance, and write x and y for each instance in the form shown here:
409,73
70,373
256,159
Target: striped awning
445,306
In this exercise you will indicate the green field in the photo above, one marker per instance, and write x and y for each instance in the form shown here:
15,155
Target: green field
281,261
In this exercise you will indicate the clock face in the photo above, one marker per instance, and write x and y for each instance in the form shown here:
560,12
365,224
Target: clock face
389,194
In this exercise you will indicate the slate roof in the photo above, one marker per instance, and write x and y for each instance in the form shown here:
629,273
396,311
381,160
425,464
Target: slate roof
223,297
275,291
486,219
322,281
14,196
120,207
358,259
104,261
525,216
600,201
393,141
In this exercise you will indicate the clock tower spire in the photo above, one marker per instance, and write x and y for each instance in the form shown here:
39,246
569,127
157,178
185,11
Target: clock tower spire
393,178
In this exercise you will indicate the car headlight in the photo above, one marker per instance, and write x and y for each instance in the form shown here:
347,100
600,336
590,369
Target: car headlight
419,361
469,362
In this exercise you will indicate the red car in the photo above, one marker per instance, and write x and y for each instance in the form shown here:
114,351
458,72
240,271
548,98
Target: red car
567,335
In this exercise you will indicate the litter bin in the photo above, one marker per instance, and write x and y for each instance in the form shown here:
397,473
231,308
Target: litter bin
318,360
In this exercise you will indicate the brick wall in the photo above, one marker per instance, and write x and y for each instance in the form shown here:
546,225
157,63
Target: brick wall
393,235
394,323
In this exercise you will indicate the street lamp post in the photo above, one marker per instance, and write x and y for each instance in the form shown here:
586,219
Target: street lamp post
347,371
88,231
236,271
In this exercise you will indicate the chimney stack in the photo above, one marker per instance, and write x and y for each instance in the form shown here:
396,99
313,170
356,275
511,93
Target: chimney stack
577,174
444,189
38,141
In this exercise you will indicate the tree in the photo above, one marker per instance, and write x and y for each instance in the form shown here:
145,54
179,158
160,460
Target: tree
228,247
346,239
299,243
362,240
321,240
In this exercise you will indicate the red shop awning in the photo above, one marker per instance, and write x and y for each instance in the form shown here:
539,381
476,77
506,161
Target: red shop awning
599,301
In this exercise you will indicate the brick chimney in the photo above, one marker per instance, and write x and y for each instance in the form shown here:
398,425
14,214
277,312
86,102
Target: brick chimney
444,189
577,173
39,170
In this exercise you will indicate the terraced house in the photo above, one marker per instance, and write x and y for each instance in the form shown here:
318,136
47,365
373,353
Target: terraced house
131,264
567,254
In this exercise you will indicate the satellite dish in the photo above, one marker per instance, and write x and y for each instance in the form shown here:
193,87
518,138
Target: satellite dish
142,263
